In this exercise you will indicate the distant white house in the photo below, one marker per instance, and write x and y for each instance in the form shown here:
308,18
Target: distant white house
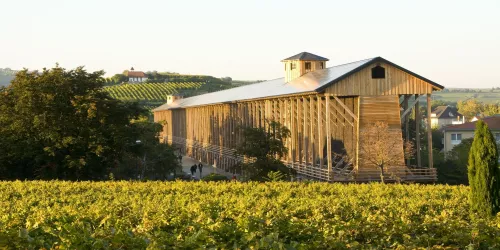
135,76
446,115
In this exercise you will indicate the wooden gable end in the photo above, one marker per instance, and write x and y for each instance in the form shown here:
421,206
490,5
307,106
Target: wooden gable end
395,82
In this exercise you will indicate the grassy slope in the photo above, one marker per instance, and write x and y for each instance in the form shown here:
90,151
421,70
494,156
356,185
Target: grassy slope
485,96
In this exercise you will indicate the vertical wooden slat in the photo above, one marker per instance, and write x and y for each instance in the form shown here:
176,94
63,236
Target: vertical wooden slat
320,134
357,134
306,131
328,137
312,130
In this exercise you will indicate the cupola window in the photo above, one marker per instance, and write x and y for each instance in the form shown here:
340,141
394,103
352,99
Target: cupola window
321,65
378,72
292,65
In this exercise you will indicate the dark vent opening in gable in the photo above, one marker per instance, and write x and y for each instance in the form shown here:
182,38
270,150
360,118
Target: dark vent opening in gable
378,72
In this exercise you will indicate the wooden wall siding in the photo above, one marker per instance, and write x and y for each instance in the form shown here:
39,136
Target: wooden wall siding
384,109
320,129
396,82
300,68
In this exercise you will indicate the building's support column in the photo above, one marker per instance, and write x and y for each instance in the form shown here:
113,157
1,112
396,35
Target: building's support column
417,130
320,134
312,130
407,124
429,131
293,130
288,125
356,167
306,131
328,139
299,127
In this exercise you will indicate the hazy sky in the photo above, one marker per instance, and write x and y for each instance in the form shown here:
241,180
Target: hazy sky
455,43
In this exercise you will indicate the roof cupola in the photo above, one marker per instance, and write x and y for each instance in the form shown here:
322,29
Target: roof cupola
302,63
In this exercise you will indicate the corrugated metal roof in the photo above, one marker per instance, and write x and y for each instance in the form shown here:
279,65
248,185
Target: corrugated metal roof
306,56
309,82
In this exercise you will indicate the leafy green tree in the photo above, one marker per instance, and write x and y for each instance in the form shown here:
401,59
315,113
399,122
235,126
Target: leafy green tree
264,147
484,173
470,108
436,103
147,158
119,78
452,169
61,124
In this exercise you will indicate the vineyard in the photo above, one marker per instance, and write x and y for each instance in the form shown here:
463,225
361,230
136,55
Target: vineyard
192,215
151,94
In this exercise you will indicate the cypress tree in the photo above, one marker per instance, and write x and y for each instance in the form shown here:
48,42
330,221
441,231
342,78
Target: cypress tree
484,173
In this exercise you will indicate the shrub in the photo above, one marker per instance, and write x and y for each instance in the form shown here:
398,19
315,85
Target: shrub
215,177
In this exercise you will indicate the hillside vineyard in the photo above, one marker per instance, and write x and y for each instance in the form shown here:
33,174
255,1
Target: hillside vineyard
150,91
324,108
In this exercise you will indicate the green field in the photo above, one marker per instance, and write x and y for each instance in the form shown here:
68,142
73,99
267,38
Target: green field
193,215
485,96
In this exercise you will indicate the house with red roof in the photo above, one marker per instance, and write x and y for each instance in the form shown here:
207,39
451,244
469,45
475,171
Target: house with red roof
454,134
135,76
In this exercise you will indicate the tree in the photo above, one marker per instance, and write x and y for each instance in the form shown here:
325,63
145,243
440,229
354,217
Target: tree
452,169
470,108
62,124
265,147
436,103
379,147
491,109
119,78
147,157
484,173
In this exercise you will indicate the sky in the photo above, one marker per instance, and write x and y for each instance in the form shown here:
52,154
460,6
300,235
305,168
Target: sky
454,43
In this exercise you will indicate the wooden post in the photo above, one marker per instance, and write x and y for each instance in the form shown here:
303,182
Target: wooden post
320,134
417,130
357,135
407,126
305,134
328,138
311,133
429,131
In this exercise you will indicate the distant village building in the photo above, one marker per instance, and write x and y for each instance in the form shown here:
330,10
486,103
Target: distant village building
325,109
454,134
135,76
446,115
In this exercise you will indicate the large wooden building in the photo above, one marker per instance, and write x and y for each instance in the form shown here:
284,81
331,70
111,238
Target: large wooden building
324,108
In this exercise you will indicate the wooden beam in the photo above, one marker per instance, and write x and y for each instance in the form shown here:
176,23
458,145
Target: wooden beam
305,133
357,136
407,127
320,134
429,131
343,116
404,100
409,108
328,137
346,108
417,131
311,133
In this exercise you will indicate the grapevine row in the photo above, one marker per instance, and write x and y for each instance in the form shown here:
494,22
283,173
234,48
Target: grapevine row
150,91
